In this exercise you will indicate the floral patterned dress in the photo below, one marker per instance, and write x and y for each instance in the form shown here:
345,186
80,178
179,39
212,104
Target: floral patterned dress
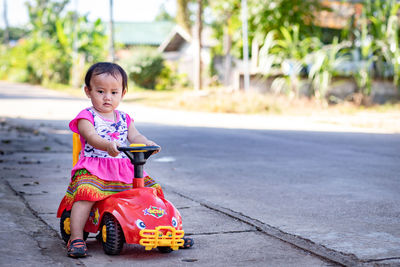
97,175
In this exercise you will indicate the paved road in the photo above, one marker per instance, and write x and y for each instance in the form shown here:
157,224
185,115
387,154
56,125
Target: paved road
338,190
333,194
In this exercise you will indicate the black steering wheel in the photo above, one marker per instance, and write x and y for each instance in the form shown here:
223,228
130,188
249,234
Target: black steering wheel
139,148
138,156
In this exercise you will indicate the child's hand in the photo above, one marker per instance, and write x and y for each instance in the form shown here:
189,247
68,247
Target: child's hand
112,149
151,143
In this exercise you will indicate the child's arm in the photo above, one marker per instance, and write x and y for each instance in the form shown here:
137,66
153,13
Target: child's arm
137,138
87,131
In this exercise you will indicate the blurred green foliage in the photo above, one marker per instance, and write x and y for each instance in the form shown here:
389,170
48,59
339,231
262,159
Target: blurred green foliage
292,48
324,64
14,33
144,66
170,79
147,69
267,15
367,49
46,54
263,16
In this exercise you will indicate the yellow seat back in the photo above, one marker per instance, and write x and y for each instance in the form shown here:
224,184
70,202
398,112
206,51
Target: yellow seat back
76,148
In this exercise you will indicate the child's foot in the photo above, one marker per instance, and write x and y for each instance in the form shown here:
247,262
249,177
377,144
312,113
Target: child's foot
76,248
188,242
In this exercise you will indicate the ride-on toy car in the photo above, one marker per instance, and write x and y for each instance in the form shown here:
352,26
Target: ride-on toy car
135,216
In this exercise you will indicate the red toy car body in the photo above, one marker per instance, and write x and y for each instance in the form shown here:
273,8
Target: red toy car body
135,216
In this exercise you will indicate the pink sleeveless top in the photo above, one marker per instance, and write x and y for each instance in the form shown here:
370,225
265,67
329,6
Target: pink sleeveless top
97,161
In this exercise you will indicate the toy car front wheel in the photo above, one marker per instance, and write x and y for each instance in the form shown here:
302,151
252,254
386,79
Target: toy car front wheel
112,236
65,226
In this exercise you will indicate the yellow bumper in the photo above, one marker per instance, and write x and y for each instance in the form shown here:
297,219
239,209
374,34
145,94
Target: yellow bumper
155,238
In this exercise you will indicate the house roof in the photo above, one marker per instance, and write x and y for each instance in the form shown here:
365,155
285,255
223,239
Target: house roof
174,39
142,33
178,36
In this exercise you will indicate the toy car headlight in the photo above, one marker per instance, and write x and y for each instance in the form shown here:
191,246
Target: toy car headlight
140,224
174,222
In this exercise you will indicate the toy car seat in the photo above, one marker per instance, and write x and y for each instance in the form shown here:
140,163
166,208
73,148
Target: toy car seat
76,148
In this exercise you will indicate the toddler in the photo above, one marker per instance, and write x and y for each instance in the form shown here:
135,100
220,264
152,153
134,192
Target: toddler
101,169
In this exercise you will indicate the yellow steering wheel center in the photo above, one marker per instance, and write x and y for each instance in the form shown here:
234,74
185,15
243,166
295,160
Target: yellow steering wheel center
137,145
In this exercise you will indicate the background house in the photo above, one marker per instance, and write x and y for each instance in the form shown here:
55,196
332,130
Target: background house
175,44
331,21
177,48
171,40
338,17
131,34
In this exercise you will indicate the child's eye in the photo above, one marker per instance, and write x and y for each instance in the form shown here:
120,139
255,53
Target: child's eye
114,93
100,91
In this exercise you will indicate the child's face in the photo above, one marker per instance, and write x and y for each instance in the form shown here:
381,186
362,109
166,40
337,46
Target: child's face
105,92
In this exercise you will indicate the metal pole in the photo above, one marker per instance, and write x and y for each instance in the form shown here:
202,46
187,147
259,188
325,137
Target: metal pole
245,46
6,26
197,77
75,74
75,29
111,51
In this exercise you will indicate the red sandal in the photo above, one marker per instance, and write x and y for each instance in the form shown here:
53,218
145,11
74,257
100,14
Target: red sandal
76,248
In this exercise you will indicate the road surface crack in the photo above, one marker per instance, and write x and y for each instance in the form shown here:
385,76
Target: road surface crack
222,232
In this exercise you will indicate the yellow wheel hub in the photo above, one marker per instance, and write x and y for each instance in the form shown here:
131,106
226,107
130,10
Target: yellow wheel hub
67,226
104,233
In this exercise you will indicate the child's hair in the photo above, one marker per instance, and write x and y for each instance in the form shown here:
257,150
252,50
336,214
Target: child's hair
106,67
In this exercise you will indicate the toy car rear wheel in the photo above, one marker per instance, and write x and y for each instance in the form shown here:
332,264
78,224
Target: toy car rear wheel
164,249
65,226
112,235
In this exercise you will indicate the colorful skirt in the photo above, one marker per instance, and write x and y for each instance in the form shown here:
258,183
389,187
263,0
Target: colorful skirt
85,186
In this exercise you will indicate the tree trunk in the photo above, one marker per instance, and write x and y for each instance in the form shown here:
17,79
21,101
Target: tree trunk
75,77
246,70
227,42
197,47
182,15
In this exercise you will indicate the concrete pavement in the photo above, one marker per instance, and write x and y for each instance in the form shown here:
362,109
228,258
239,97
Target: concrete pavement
34,168
35,160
